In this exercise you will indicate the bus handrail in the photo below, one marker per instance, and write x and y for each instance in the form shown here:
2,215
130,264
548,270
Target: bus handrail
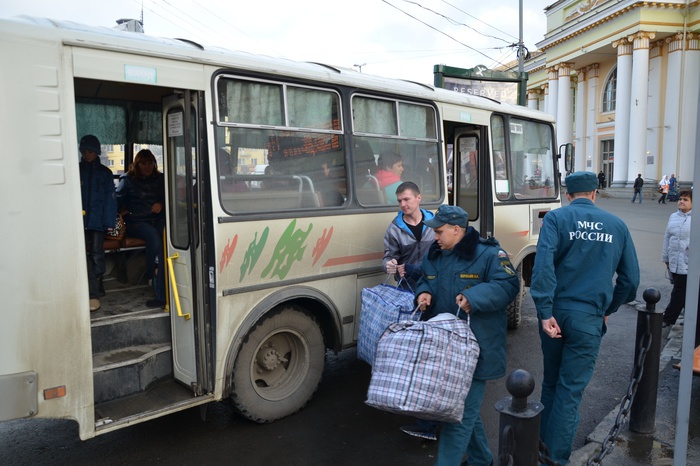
171,272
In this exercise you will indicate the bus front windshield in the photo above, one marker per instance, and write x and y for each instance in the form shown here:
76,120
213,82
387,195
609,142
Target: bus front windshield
524,166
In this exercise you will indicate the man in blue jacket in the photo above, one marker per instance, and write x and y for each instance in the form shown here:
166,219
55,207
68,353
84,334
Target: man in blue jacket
99,211
473,277
579,251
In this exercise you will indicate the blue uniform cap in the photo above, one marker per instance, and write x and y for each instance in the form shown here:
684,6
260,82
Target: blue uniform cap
581,182
451,214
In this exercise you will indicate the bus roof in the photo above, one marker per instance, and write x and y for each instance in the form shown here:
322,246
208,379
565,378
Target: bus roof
104,38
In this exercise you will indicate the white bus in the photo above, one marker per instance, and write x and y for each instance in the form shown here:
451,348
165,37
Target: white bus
264,266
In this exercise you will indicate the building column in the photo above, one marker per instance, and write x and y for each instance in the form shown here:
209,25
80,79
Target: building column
564,115
533,99
592,82
689,117
580,139
552,104
639,102
672,108
545,97
622,113
654,113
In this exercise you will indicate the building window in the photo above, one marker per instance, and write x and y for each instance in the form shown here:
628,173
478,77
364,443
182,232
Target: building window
609,92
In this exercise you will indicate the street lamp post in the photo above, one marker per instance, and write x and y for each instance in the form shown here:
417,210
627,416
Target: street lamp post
360,66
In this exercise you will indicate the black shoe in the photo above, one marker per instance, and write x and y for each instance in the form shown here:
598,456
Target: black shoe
418,431
155,303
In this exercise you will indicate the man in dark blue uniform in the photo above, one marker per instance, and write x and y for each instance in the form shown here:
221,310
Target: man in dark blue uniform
465,274
580,249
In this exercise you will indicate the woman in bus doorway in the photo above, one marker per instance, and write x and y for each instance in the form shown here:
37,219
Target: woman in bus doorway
141,197
389,174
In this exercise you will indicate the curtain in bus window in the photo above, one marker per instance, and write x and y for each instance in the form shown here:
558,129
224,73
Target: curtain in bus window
106,121
374,116
309,108
531,159
500,163
416,121
250,102
148,124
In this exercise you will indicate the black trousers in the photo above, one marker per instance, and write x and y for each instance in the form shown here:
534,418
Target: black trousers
94,240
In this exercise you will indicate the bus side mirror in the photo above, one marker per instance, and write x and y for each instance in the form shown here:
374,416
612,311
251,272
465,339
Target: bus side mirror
568,151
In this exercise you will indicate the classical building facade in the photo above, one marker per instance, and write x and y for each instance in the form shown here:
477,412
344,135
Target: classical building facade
621,78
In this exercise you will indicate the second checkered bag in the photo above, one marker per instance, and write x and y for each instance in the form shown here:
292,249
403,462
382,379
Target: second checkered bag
381,305
424,369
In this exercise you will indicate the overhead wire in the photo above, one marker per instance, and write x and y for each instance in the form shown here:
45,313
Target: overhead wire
455,22
437,30
474,17
170,21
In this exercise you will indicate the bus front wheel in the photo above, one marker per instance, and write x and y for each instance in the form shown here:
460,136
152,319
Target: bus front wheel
279,365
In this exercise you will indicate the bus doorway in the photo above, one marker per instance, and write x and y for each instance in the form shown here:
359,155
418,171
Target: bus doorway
471,183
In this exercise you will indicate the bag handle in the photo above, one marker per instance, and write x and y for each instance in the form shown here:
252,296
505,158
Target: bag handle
398,284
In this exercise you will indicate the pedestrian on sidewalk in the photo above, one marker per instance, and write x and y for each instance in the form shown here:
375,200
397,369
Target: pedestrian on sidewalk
638,183
580,249
675,254
663,186
601,180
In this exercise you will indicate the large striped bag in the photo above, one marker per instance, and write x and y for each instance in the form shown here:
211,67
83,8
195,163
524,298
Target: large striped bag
382,305
424,369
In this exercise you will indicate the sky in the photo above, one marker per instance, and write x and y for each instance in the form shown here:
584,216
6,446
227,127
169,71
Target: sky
392,38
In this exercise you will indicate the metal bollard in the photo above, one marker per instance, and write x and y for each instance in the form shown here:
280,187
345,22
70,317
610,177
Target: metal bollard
520,420
643,409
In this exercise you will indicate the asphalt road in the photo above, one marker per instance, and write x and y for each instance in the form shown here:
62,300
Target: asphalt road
337,428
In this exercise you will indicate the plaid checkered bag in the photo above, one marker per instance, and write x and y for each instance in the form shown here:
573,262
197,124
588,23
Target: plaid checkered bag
424,369
382,305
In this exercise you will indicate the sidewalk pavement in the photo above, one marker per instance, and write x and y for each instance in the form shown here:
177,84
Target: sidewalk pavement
656,449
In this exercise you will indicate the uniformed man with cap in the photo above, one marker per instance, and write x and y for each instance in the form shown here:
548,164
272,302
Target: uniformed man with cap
580,249
466,274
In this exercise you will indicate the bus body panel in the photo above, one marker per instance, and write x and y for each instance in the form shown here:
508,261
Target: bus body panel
317,259
45,315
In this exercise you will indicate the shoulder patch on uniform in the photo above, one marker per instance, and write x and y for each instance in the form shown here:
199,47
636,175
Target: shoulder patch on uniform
508,267
502,253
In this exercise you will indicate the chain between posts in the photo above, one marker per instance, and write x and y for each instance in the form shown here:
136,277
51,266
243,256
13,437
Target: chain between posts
609,441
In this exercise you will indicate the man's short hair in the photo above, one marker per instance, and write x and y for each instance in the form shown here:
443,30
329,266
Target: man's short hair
406,186
687,193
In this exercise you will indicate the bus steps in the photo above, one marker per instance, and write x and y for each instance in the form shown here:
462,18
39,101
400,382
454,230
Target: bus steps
164,394
127,371
131,349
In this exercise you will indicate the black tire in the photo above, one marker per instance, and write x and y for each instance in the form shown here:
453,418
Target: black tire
515,307
279,366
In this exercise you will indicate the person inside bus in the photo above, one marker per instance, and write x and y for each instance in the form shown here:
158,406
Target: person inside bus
389,174
99,212
406,241
227,173
141,196
329,183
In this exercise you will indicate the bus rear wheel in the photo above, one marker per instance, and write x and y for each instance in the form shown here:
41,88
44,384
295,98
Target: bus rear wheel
515,307
279,366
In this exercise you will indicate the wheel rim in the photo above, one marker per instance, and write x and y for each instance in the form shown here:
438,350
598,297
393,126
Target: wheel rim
280,365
